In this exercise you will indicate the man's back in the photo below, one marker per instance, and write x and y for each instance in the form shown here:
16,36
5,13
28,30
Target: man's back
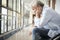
49,15
51,20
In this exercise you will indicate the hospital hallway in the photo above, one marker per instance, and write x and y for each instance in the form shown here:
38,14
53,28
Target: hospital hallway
16,18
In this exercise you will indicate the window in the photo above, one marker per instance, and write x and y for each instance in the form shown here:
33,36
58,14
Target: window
4,11
4,20
14,20
18,6
9,20
18,16
19,20
4,3
9,15
26,17
22,22
10,4
14,4
51,3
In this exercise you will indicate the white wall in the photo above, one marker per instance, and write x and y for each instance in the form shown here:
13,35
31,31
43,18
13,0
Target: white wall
57,6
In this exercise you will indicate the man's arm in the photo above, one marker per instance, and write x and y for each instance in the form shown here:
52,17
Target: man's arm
45,18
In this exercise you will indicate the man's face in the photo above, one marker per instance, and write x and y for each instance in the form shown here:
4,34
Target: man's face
37,9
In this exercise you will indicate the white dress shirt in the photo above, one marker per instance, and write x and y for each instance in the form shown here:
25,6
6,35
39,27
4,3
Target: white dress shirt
50,20
37,22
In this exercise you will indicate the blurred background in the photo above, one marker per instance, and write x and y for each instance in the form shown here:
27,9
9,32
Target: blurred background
16,18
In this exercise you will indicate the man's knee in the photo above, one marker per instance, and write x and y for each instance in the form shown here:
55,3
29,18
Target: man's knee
35,30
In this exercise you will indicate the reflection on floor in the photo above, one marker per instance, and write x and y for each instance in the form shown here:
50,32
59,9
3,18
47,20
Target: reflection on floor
24,34
21,35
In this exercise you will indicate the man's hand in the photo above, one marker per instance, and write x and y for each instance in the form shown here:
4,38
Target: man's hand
30,32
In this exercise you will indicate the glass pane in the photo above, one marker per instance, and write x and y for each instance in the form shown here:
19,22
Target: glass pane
19,20
4,2
16,20
13,22
22,22
4,20
4,11
2,24
26,17
18,6
10,3
9,13
9,20
9,23
5,23
18,15
14,15
14,4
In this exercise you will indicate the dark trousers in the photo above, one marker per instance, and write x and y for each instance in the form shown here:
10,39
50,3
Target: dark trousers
40,34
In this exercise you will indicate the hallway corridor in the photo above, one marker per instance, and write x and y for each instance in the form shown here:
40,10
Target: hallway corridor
16,18
21,35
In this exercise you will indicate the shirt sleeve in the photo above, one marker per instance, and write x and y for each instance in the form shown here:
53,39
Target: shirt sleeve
45,18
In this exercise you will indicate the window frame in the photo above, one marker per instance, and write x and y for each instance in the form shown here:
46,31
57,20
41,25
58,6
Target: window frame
11,9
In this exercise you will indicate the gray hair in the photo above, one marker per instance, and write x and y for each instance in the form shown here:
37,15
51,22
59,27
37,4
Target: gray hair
38,3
